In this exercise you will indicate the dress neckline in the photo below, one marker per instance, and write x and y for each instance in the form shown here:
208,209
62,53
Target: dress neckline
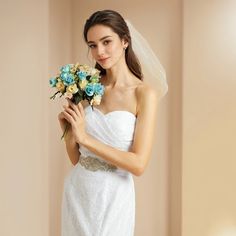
112,112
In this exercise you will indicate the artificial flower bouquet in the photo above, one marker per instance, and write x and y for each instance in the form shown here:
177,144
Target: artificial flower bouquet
78,82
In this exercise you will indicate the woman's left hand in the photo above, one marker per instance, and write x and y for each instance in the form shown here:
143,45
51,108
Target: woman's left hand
75,115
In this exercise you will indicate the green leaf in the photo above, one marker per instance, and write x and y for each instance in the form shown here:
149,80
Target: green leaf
76,98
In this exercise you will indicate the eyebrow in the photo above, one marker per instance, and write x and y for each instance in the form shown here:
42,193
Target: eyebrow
101,38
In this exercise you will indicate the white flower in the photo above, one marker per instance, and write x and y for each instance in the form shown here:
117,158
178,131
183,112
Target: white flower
72,88
97,99
83,84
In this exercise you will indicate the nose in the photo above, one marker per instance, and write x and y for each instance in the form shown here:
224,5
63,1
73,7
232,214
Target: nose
100,50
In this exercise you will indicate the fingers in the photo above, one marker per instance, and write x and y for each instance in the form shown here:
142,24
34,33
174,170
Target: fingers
61,116
78,109
69,111
74,107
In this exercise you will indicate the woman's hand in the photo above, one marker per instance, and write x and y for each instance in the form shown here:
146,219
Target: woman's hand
65,124
74,114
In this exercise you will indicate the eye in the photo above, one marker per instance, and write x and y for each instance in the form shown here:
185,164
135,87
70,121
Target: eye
92,46
107,42
104,42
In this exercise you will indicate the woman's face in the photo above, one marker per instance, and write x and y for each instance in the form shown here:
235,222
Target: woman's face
105,45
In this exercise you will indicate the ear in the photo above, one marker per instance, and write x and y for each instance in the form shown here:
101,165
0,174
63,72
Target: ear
124,43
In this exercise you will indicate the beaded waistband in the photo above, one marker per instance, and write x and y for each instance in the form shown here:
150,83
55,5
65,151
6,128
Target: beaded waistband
94,164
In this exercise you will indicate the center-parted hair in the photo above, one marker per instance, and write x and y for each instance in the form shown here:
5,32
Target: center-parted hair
117,23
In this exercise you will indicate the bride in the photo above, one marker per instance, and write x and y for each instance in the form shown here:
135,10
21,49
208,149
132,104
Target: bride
109,143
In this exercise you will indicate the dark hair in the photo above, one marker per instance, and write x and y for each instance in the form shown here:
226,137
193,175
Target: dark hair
117,23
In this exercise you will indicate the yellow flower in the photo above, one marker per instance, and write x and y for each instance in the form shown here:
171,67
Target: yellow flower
97,99
72,88
83,84
81,67
73,69
60,86
84,68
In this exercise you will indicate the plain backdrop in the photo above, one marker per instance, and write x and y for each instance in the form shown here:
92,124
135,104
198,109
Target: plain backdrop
188,188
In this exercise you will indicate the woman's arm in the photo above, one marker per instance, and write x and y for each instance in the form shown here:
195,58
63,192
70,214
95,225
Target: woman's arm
72,148
137,158
122,159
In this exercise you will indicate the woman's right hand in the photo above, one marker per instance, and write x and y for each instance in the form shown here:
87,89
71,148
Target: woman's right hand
63,123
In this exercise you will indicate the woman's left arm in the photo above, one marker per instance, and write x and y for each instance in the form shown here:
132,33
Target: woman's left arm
135,160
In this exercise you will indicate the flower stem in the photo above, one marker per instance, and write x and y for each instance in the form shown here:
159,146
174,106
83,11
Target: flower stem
65,131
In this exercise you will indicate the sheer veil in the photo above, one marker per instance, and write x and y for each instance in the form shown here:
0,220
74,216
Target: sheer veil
153,71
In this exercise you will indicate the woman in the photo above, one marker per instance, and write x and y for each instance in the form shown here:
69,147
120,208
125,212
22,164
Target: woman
113,141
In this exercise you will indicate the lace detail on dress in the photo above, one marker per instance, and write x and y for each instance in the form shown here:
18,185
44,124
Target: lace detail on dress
99,198
94,164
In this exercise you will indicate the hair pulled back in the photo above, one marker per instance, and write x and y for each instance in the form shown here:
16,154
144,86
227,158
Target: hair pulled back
117,23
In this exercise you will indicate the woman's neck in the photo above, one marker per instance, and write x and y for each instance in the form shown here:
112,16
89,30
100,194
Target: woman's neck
119,75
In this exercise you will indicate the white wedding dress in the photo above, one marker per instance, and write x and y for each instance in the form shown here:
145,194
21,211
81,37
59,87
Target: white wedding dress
99,198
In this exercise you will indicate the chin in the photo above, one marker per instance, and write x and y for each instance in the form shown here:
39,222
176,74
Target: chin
106,66
109,64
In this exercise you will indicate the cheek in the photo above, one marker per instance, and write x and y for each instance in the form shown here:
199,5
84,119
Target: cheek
116,50
93,52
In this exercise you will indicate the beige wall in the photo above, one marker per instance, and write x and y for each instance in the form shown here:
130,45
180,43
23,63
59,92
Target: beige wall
60,47
37,38
189,183
209,115
24,123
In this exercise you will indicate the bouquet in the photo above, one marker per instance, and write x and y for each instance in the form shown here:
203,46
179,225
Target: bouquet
78,82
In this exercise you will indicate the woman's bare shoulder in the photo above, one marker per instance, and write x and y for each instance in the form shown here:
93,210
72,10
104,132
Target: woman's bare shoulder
144,89
145,94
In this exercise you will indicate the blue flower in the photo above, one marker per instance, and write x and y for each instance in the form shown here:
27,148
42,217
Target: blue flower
99,89
53,82
64,76
67,78
82,75
89,89
65,69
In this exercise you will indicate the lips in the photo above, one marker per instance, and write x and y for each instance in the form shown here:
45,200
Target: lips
103,59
